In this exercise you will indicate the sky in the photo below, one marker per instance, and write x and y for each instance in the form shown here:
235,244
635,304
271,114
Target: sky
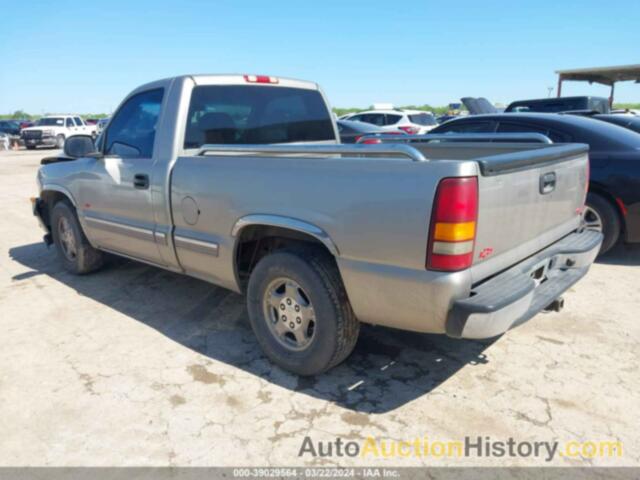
85,56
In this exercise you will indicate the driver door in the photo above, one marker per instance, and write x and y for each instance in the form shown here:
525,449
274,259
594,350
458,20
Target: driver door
115,198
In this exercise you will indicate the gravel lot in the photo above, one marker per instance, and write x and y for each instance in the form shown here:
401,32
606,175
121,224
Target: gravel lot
137,366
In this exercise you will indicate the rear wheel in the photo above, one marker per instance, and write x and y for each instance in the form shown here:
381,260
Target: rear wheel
601,215
300,313
75,251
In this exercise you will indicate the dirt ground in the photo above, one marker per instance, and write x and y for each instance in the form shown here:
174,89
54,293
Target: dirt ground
137,366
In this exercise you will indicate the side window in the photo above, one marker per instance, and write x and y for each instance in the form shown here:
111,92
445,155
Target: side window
392,119
132,130
467,127
78,121
374,119
69,122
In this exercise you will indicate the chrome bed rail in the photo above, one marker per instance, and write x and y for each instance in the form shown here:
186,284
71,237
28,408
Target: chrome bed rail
362,149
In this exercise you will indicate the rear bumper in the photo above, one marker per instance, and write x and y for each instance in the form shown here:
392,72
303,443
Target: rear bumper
519,293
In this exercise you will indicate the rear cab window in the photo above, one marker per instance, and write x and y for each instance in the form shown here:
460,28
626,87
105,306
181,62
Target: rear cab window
241,114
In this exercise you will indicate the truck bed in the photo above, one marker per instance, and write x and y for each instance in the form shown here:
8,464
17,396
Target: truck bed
374,206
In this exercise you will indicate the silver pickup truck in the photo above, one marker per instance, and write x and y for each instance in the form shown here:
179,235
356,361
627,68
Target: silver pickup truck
240,181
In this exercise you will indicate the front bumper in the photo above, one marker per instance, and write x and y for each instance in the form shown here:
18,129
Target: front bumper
35,142
519,293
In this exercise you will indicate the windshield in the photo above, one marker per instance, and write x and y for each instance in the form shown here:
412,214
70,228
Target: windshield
50,122
423,119
256,115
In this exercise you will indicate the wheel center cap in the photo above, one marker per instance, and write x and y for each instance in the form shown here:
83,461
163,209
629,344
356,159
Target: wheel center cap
292,315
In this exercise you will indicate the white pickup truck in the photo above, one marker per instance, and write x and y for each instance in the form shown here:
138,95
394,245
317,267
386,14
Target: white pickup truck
53,130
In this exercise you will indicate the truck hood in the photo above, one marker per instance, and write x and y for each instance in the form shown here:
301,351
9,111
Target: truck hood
478,106
37,129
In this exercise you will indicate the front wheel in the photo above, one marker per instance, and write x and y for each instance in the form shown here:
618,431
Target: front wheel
75,251
601,215
300,313
60,141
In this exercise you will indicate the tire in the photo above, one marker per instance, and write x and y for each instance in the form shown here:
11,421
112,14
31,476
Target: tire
334,328
31,147
601,215
81,257
60,141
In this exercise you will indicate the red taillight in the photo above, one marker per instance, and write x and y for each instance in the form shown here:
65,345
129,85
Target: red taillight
453,225
260,79
409,130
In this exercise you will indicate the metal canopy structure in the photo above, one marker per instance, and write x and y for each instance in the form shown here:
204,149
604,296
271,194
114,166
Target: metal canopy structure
603,75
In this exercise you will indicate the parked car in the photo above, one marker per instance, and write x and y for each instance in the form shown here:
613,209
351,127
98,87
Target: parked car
53,130
10,132
5,142
352,132
25,123
10,127
560,104
632,122
613,204
101,124
411,122
320,236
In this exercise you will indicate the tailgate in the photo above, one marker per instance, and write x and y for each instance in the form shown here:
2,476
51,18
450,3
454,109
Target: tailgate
527,200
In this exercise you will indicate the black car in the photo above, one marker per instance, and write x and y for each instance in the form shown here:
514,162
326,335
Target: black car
632,122
10,127
560,104
350,132
613,202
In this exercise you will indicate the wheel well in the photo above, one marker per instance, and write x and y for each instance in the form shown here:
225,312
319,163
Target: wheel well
256,241
596,189
50,198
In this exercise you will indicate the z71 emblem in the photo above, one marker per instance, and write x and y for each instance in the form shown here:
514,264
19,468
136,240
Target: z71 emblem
485,253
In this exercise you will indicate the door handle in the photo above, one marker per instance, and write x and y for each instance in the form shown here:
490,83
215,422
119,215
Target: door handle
547,182
141,181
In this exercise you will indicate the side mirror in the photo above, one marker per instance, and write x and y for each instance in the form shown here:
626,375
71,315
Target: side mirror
78,146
